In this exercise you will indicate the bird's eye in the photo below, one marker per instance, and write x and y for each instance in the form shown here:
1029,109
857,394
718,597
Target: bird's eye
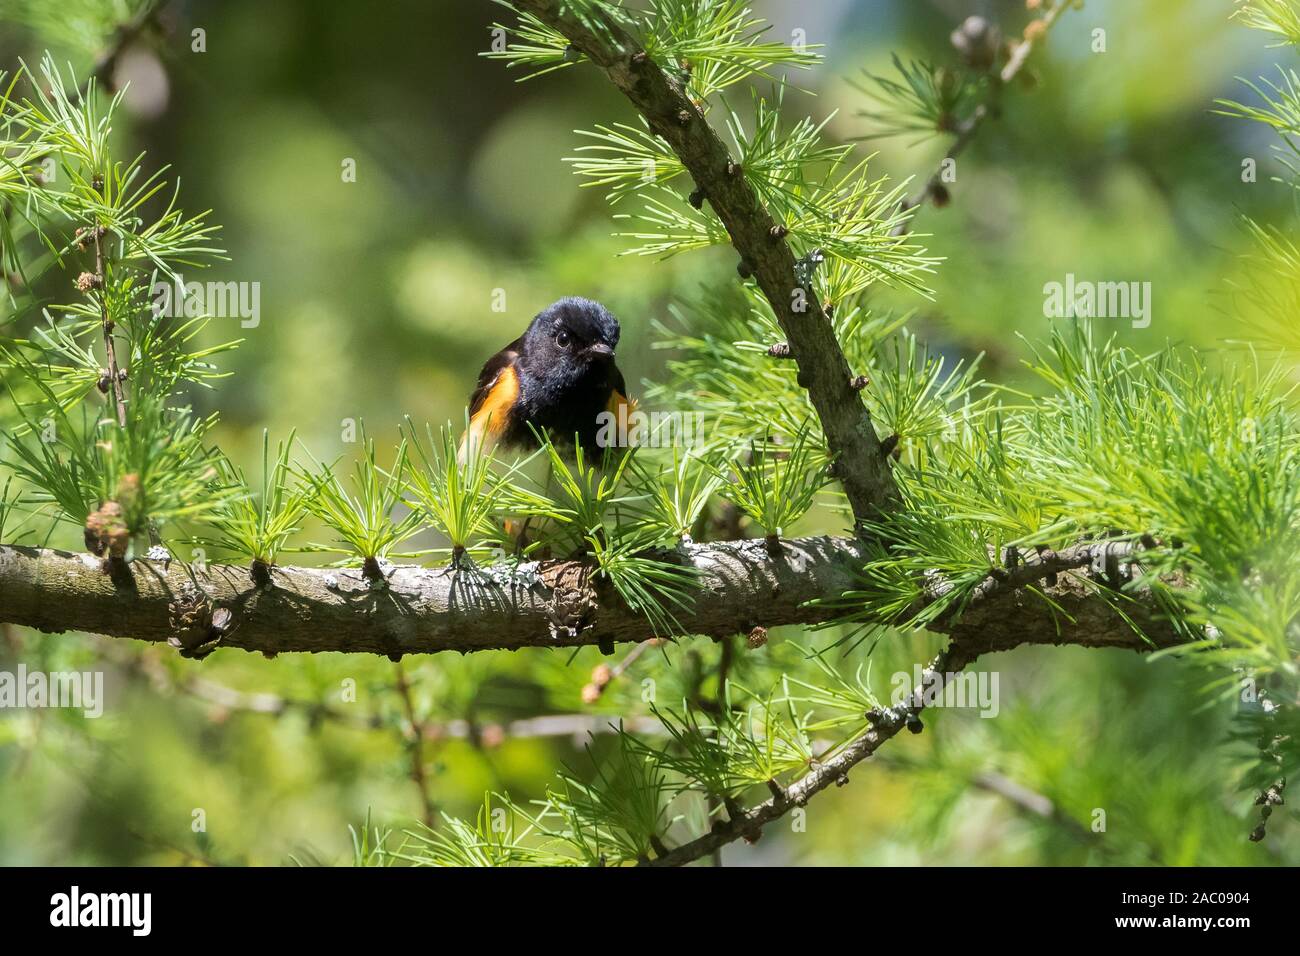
562,339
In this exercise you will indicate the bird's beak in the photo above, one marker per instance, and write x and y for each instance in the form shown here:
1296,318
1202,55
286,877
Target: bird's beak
600,350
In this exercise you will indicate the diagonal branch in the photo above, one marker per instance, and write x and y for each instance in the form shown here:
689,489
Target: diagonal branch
934,188
1008,619
861,467
1034,803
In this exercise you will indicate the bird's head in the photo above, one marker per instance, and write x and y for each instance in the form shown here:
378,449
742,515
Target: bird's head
573,338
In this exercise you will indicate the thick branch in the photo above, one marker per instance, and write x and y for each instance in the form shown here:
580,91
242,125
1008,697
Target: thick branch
534,604
557,604
672,115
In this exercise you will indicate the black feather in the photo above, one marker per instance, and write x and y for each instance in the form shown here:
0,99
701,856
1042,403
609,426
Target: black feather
567,376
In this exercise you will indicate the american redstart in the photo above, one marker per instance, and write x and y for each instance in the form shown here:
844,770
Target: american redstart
555,378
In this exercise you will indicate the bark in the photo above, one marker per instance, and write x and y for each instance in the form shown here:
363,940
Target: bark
419,610
740,586
534,604
558,604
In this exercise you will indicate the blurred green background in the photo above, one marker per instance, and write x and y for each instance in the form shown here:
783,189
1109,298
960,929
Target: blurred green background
376,302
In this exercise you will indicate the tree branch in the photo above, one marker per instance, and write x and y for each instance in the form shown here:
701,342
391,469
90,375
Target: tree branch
740,586
861,467
114,385
420,610
1031,802
557,604
223,700
1084,620
413,737
967,130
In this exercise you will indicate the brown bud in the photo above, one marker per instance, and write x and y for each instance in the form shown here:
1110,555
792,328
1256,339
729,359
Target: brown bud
106,532
89,280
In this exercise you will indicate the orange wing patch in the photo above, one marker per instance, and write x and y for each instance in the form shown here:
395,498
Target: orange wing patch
489,421
620,405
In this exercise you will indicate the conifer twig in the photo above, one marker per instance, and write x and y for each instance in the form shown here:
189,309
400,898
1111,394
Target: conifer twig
962,651
223,700
967,129
416,745
1031,802
885,724
115,382
765,252
604,674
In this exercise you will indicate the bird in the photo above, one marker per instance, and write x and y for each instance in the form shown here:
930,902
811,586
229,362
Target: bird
557,378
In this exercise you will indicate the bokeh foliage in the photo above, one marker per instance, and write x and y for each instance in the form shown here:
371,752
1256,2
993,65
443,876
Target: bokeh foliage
378,305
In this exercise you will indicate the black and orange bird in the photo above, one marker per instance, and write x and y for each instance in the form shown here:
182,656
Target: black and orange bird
557,377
